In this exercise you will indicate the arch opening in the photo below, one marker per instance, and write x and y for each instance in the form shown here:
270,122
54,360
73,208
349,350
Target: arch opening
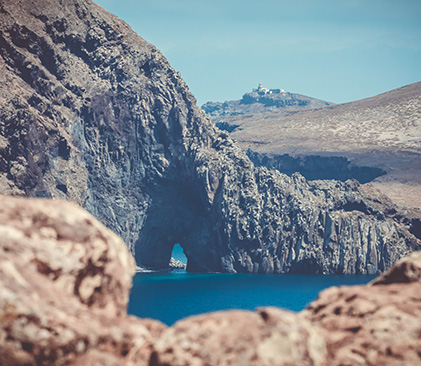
178,260
178,253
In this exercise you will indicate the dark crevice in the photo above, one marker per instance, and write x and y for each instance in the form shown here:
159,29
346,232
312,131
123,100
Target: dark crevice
356,206
62,187
314,167
226,126
63,149
415,228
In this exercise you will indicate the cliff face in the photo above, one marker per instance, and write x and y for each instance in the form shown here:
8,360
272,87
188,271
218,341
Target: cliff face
92,113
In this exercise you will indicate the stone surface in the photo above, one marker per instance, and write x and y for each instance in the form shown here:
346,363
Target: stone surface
64,287
406,270
267,337
92,113
372,325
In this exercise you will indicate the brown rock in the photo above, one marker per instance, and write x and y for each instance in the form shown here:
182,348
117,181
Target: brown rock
370,325
65,281
267,337
406,270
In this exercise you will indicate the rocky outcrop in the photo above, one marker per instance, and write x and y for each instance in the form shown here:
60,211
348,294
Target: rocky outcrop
406,270
379,133
267,337
175,264
65,282
346,326
92,113
282,102
376,324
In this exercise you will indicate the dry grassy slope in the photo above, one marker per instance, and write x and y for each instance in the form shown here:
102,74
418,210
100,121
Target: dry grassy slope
382,131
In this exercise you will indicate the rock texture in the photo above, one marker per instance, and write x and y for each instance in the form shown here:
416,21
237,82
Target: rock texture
373,325
267,337
65,281
92,113
378,324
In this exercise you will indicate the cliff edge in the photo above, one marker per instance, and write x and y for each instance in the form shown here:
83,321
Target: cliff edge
92,113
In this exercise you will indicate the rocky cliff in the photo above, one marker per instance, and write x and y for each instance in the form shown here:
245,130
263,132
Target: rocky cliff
92,113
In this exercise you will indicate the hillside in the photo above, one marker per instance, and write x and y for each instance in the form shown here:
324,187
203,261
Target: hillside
383,132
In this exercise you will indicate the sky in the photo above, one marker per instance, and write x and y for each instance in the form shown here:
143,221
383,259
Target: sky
335,50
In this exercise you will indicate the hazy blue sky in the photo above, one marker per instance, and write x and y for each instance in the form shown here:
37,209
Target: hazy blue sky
337,50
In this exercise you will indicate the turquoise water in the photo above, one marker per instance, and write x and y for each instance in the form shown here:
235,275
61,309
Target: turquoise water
170,296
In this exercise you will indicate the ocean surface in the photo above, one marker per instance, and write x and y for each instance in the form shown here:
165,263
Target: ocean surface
170,296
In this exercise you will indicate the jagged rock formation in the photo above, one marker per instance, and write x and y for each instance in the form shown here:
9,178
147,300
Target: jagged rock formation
255,102
92,113
175,264
65,282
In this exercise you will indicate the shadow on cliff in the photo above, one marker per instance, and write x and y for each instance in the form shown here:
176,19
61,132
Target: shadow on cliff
314,167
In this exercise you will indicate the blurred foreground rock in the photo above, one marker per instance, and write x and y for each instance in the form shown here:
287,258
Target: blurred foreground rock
64,287
378,324
267,337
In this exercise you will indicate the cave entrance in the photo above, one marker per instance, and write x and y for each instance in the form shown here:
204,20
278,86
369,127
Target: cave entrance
178,254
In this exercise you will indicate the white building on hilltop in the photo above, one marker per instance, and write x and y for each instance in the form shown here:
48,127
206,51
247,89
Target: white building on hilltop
263,91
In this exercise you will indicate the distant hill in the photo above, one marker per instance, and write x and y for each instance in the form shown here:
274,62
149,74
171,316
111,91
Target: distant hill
263,100
382,132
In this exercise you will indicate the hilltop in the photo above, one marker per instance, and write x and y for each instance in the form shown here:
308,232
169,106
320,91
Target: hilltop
262,100
382,132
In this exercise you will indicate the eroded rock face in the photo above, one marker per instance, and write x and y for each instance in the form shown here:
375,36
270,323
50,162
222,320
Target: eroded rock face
268,337
92,113
65,281
378,324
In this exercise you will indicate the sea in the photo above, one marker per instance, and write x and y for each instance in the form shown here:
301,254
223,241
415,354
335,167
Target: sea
171,296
